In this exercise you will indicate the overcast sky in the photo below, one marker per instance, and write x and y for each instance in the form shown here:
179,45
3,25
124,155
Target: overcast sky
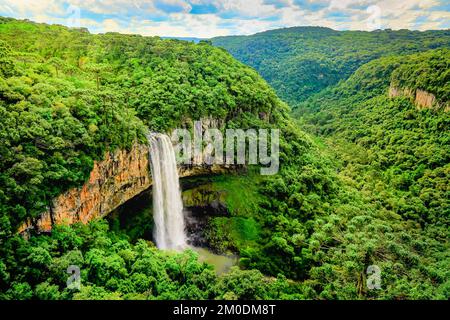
208,18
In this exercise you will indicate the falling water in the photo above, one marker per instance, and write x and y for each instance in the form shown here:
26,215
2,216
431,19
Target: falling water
167,204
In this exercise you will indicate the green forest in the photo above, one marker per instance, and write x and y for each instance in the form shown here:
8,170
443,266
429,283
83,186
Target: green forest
299,62
363,181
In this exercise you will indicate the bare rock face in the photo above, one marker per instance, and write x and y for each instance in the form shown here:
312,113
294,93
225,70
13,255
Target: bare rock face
121,176
425,100
400,92
422,99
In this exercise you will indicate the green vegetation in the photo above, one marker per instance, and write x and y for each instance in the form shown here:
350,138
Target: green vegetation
68,96
397,157
429,71
232,233
76,96
112,268
388,143
239,194
388,205
370,187
299,62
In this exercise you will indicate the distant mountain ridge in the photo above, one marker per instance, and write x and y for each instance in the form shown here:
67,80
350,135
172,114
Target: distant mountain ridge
189,39
301,61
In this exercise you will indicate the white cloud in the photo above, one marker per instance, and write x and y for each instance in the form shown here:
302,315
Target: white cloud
172,17
26,7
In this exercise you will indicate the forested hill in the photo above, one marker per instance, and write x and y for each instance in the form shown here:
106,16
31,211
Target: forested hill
377,197
67,96
387,137
301,61
393,150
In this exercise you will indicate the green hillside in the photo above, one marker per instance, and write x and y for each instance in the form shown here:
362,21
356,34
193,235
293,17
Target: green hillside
68,96
301,61
395,154
387,139
363,180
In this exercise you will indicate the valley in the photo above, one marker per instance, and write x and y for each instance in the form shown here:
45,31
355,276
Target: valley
363,181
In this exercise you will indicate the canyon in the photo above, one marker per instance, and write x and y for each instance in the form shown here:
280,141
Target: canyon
119,177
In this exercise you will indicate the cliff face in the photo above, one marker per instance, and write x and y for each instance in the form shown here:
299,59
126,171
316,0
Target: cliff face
425,100
422,99
203,196
121,176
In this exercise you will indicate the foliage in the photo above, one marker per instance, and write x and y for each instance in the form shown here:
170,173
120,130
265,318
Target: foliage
371,189
68,96
112,268
396,159
301,61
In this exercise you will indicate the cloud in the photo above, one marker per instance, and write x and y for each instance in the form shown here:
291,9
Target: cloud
30,8
207,18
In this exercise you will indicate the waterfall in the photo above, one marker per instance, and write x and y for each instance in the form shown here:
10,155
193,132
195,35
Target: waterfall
169,232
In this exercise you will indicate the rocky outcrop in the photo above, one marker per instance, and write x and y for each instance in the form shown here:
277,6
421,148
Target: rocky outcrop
201,203
203,196
422,99
400,92
121,176
425,100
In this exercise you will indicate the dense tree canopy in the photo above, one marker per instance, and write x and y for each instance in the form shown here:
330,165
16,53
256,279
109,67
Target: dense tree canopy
368,186
68,96
398,157
299,62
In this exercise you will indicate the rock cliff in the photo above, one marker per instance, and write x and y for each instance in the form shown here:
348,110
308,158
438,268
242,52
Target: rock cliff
119,177
422,99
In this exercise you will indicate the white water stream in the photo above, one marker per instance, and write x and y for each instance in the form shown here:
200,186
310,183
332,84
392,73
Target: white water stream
169,232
